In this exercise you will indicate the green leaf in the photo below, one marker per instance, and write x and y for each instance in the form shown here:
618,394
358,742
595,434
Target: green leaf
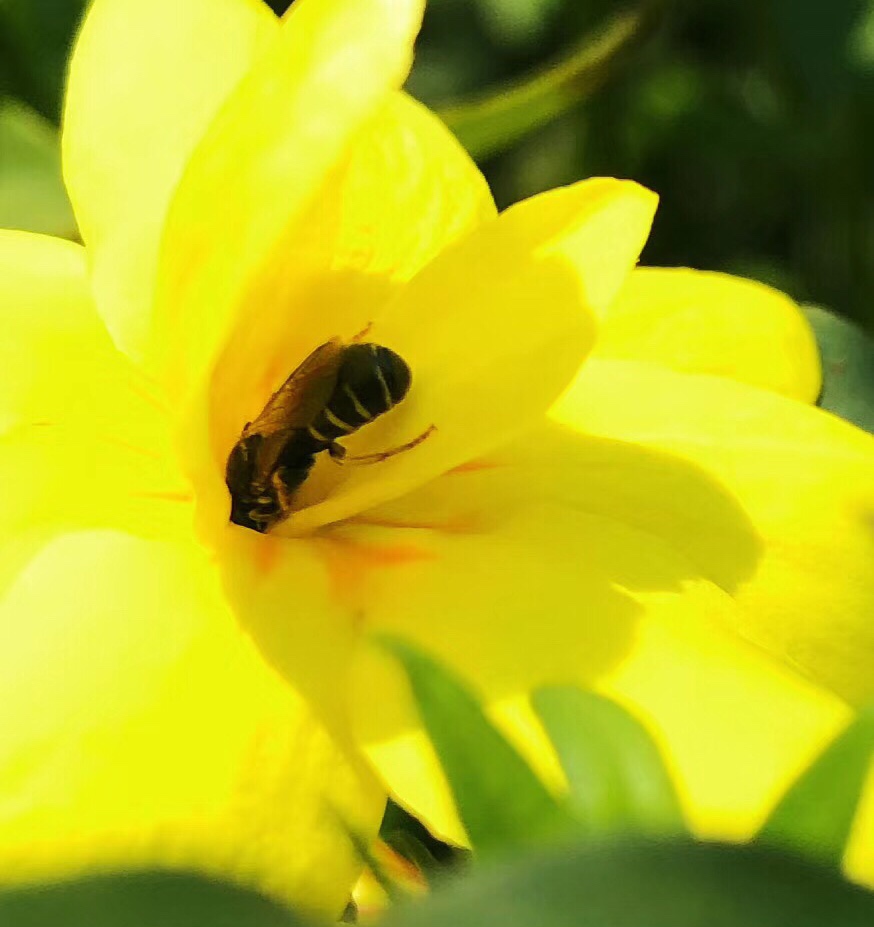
35,41
500,800
493,122
815,815
32,194
680,884
847,366
148,899
615,771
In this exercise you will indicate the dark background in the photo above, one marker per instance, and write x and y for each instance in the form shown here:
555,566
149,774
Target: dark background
753,121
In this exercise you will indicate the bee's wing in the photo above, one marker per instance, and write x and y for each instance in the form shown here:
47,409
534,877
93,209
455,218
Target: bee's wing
303,395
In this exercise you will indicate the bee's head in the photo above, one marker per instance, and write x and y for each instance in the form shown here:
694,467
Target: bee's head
252,505
258,514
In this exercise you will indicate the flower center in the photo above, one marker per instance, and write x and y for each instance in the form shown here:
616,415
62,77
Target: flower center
339,388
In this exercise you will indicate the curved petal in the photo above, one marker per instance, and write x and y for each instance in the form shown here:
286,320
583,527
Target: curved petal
735,726
703,322
145,81
140,728
265,161
625,523
60,479
513,308
563,558
59,364
84,437
735,729
406,191
494,567
805,480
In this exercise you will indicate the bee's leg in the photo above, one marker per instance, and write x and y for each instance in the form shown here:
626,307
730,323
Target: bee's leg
337,451
384,455
283,493
362,334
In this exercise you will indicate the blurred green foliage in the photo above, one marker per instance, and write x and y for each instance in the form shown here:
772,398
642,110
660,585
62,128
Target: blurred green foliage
755,122
616,777
815,816
847,366
612,852
32,194
678,883
141,899
618,784
666,884
501,801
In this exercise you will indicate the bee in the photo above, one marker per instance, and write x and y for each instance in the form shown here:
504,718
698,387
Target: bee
338,388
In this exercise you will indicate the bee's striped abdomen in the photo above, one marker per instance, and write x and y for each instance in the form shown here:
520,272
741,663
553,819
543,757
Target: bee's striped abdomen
371,380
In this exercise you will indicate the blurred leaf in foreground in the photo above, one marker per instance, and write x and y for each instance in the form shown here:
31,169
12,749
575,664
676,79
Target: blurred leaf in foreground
682,884
32,194
847,367
496,120
816,814
409,837
500,800
140,900
617,778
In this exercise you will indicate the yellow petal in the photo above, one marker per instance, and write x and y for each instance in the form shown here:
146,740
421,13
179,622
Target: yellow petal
140,728
264,162
734,728
84,437
493,329
505,596
495,567
58,362
63,479
405,192
803,478
700,322
587,237
145,81
564,558
595,591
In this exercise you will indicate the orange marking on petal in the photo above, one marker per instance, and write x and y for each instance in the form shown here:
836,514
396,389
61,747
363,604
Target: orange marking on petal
168,496
473,466
267,551
350,564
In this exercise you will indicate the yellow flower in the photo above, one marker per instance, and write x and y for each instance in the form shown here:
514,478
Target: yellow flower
247,190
